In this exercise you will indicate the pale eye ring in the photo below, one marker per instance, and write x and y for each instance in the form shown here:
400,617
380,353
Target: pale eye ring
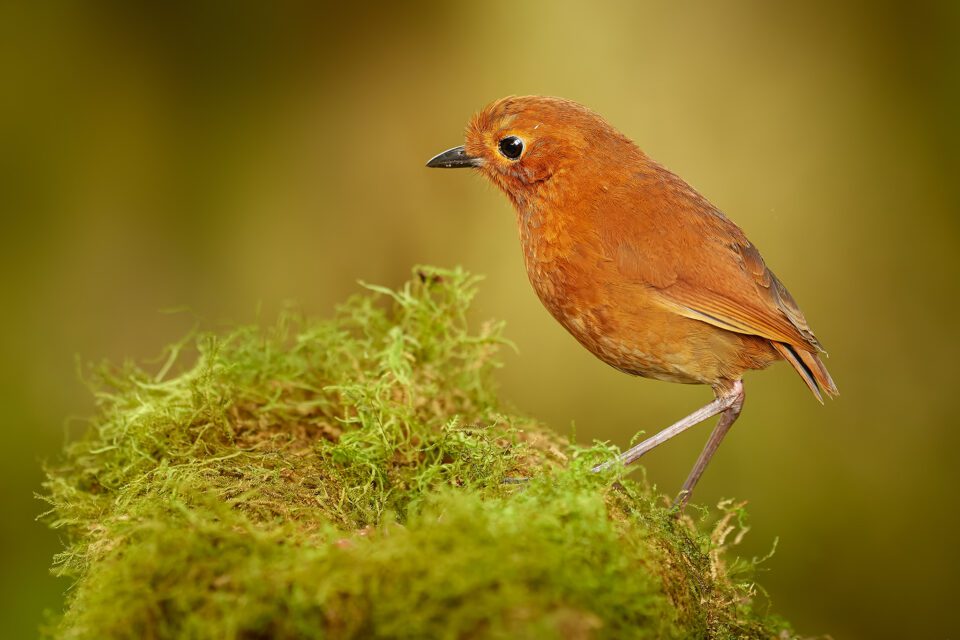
511,147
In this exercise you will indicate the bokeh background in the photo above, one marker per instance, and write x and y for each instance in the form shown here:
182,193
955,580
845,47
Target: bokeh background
223,158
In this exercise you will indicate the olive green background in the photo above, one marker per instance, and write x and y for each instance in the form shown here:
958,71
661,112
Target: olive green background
223,158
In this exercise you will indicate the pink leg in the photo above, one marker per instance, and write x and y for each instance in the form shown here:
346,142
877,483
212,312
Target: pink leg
724,401
727,418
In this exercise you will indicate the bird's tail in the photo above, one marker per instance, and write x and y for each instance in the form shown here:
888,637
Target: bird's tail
810,368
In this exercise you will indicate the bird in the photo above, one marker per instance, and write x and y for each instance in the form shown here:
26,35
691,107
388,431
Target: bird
635,264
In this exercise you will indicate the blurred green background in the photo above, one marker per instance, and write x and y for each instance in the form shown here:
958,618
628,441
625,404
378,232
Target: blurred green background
227,157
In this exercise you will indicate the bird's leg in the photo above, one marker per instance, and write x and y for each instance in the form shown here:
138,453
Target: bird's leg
727,418
723,402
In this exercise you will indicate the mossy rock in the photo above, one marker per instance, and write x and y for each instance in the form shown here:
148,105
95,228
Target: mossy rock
351,478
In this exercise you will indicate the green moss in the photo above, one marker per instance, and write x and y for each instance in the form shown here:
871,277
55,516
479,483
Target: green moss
344,478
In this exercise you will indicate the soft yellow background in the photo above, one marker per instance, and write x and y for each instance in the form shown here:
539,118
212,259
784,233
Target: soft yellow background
221,157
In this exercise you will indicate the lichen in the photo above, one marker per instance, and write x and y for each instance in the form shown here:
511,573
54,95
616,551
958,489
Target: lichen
356,477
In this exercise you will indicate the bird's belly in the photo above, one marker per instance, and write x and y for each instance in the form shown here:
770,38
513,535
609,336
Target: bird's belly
622,325
649,348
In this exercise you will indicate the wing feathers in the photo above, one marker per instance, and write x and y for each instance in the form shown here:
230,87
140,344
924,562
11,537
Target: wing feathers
791,356
667,238
819,371
769,322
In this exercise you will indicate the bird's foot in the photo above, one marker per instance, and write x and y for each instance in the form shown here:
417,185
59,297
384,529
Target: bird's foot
680,502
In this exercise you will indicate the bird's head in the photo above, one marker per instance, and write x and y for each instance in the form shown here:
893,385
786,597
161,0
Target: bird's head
525,144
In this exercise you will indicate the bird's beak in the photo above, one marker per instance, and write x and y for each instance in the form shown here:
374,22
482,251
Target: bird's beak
455,158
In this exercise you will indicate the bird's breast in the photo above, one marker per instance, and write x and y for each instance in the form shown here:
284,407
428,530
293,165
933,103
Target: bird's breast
576,283
554,255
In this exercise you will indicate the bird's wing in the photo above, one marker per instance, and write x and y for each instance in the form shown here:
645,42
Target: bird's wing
735,290
701,265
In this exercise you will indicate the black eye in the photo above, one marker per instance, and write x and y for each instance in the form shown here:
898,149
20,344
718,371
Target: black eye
511,147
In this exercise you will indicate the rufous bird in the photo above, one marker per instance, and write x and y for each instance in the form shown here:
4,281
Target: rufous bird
640,268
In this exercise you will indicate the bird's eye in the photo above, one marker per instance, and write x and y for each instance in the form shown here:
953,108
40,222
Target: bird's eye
511,147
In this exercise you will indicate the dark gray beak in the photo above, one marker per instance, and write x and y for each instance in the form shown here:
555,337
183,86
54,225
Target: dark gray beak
455,158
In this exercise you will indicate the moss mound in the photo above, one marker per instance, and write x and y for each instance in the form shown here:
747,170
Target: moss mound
345,478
